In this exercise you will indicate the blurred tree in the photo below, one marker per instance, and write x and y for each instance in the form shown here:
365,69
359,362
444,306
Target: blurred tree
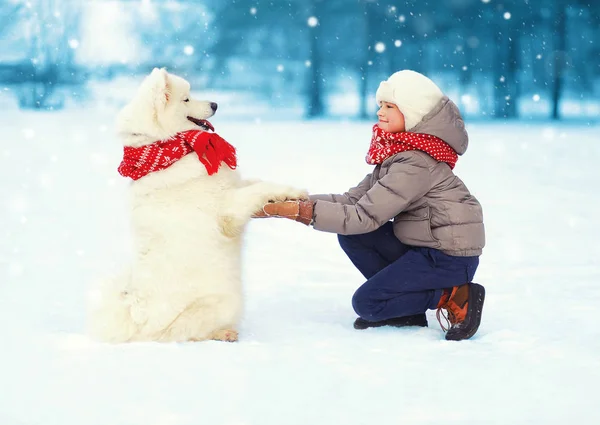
313,49
256,38
386,42
366,50
51,29
465,29
505,19
169,31
10,14
9,11
269,33
314,85
559,54
574,25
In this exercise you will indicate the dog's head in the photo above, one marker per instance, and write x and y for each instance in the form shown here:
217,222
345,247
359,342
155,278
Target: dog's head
161,108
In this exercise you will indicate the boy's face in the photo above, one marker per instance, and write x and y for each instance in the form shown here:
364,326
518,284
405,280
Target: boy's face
390,118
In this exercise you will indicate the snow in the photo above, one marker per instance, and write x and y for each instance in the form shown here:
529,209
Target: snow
299,361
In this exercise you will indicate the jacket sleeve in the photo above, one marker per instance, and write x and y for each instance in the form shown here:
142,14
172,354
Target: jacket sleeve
405,182
351,197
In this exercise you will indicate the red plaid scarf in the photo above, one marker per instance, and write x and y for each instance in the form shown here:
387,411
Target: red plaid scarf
385,144
211,149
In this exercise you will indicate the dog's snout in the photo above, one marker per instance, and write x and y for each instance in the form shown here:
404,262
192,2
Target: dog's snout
213,106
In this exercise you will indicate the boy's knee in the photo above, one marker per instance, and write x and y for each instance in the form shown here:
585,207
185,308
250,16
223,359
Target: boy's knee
364,306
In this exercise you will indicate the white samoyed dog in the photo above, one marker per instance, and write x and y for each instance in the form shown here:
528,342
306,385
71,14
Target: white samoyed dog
184,283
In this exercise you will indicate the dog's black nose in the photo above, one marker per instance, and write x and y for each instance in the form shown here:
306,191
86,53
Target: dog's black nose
213,106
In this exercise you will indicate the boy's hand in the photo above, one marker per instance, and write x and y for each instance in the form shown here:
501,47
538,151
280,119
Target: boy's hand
301,211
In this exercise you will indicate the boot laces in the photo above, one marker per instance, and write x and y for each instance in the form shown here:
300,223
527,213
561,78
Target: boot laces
448,318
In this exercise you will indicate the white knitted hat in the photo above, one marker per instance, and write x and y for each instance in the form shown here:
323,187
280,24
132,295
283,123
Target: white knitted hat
413,93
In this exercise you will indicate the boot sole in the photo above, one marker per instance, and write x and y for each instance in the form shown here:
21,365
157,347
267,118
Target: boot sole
398,322
476,299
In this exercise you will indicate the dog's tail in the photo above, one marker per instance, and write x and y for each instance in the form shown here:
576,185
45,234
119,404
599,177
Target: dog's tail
109,311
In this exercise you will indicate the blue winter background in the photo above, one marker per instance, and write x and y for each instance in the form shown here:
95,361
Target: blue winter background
295,82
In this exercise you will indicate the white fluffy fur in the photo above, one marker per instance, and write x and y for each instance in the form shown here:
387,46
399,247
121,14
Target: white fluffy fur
184,283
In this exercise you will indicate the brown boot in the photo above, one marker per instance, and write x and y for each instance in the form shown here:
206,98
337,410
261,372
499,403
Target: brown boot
464,305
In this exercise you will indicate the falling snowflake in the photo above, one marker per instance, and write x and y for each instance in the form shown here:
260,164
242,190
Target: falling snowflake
380,47
188,50
397,43
313,21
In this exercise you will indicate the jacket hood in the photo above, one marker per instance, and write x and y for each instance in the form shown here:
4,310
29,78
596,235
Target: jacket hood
445,121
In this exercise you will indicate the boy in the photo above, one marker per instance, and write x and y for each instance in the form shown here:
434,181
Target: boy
427,255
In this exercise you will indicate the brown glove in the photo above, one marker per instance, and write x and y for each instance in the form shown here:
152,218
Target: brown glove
301,211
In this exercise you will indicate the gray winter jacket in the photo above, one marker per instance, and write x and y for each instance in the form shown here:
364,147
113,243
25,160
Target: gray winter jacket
430,206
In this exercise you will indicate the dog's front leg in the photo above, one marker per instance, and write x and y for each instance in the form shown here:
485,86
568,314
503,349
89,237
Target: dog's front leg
242,202
248,182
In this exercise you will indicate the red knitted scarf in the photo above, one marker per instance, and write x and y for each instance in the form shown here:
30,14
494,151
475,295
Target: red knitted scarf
385,144
212,150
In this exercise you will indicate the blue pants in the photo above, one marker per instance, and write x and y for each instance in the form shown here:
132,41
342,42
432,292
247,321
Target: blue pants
402,280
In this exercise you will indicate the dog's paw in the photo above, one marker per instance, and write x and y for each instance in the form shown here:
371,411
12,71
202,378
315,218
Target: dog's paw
297,194
228,335
288,193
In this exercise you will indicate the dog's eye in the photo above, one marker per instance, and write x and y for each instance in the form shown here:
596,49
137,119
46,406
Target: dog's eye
186,100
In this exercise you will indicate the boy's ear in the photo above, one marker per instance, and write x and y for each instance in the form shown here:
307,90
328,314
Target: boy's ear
160,87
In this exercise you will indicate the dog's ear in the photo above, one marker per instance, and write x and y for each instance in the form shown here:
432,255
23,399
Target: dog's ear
161,87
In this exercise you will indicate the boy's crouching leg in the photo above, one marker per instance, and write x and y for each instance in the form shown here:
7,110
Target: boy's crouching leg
369,309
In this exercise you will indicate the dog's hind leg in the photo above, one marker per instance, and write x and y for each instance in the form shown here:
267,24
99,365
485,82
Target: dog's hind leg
109,313
211,317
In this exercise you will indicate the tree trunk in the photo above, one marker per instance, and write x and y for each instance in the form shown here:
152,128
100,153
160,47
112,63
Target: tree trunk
367,58
52,23
506,73
560,42
315,75
512,71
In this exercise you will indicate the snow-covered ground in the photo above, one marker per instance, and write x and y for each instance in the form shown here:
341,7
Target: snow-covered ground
535,358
